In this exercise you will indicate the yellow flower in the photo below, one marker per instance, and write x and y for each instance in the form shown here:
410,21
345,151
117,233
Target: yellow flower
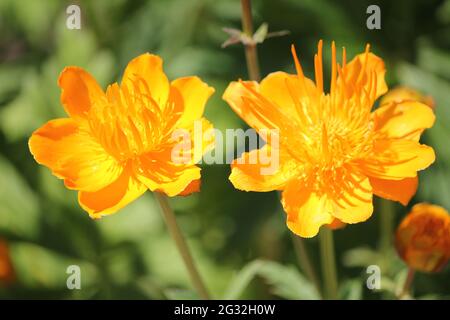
117,144
400,94
423,238
334,152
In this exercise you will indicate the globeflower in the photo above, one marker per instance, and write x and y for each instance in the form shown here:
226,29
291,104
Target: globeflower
423,238
117,144
335,153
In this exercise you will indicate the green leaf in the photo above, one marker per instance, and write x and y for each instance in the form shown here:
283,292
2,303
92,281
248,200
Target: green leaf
360,257
261,34
38,267
286,281
242,280
351,290
19,210
180,294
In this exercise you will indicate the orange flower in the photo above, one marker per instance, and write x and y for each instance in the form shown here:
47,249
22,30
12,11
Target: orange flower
423,238
400,94
6,268
117,144
334,153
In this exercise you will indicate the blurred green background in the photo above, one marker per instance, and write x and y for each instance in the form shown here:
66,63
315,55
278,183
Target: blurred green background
239,239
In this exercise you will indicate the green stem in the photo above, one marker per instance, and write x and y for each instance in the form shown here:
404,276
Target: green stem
406,291
386,223
328,263
251,54
181,244
304,261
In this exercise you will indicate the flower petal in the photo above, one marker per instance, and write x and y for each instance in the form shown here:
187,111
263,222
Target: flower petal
195,94
285,91
112,197
260,170
355,201
366,71
64,146
397,190
404,120
259,112
146,71
306,210
158,173
396,159
79,91
192,187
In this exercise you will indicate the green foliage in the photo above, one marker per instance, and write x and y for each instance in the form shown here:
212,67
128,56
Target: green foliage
239,239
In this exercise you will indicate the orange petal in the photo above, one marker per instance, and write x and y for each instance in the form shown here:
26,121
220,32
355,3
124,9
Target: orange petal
158,173
405,120
192,187
259,112
336,224
355,200
239,97
358,72
195,94
397,190
79,91
396,159
112,197
146,71
253,171
306,210
72,154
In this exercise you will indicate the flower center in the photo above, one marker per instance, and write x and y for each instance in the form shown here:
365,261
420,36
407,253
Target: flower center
130,122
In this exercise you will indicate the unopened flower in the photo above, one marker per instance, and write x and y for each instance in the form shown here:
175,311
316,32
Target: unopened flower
117,144
423,238
334,151
6,268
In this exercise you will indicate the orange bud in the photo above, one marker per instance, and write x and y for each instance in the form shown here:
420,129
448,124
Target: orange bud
6,269
423,238
399,94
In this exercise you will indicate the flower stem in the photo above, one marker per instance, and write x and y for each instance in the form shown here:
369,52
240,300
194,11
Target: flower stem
251,54
305,262
328,263
181,244
406,291
386,223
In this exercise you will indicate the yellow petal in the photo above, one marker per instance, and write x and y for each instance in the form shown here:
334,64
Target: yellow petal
65,147
354,203
112,197
400,94
306,210
404,120
396,159
286,91
397,190
254,171
146,71
195,94
79,91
